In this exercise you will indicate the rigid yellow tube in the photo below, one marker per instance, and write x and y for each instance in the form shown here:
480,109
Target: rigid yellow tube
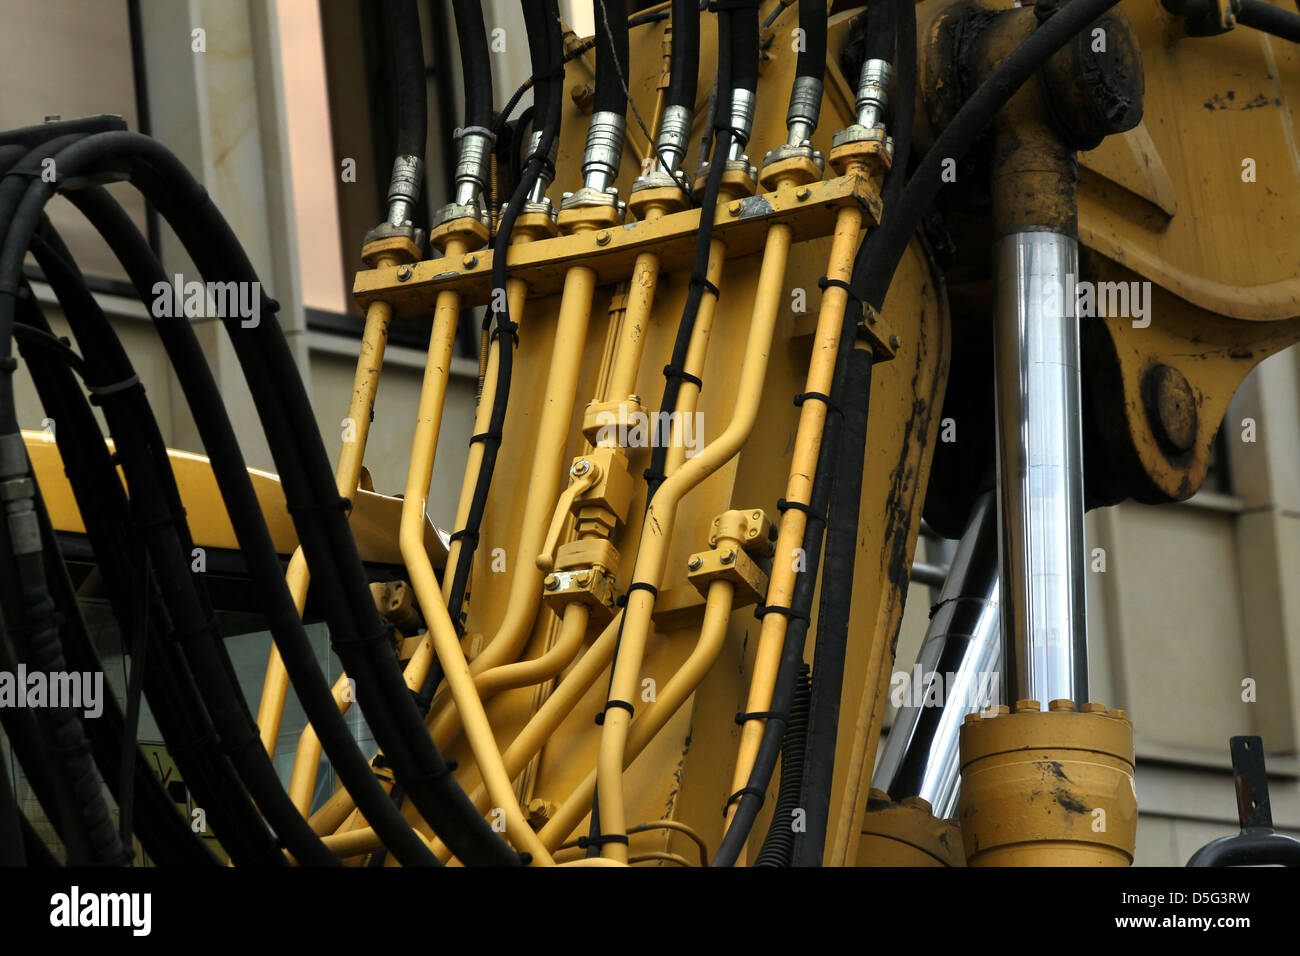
535,733
441,631
713,633
547,470
652,552
365,383
798,489
523,673
636,320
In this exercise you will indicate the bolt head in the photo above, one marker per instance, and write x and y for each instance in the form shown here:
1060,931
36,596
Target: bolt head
803,194
582,578
404,273
550,582
735,208
895,341
695,563
471,261
580,467
729,557
602,237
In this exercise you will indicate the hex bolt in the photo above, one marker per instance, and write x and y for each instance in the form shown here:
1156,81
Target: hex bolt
582,578
580,468
735,208
471,261
729,557
404,273
695,563
803,194
602,237
550,582
895,342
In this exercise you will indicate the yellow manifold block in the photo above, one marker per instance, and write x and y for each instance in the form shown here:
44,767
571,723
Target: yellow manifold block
1048,788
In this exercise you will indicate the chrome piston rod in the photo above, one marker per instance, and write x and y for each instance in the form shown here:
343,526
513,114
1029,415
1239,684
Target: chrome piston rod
1040,468
956,673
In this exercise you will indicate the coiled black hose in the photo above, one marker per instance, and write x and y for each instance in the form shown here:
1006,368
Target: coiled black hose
778,846
249,524
362,640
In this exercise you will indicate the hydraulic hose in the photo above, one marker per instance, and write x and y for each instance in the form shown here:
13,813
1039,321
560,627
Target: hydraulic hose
476,60
684,72
812,21
361,638
778,846
406,49
156,502
283,620
611,56
1269,19
750,799
837,585
884,247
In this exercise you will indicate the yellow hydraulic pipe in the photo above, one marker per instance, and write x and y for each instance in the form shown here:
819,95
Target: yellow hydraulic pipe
798,489
713,633
441,632
547,470
365,383
538,729
652,553
433,394
523,673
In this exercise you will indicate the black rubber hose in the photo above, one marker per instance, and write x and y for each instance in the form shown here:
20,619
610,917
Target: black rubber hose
406,46
92,474
744,46
836,601
778,846
249,524
475,61
38,854
812,21
1270,19
611,56
12,843
881,30
837,586
156,503
684,71
361,638
750,799
885,245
